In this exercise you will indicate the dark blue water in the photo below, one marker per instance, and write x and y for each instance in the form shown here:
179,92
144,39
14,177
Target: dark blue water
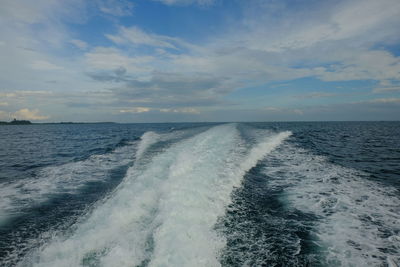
244,194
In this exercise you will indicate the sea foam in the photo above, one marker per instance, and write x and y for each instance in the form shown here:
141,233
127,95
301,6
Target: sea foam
67,178
163,214
359,219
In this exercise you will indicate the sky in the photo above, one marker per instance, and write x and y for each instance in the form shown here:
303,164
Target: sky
199,60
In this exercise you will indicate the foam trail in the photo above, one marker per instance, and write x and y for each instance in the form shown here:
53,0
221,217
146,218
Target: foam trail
359,219
201,182
164,214
147,139
66,178
262,148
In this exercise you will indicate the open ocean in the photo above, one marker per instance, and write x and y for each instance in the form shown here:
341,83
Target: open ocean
182,194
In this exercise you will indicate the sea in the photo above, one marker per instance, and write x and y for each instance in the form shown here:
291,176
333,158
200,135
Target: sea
200,194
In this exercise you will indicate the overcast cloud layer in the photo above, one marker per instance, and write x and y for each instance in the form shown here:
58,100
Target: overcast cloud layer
199,60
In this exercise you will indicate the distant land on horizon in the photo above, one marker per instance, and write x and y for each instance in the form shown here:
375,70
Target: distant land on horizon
16,122
27,122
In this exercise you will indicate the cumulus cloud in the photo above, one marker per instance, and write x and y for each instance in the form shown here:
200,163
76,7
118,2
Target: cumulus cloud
27,114
166,89
205,75
273,41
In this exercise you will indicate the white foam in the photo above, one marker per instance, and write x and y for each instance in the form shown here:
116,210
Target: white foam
359,218
66,178
264,147
165,213
147,139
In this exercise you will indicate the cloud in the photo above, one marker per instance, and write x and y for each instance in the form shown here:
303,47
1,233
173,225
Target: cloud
79,44
27,114
269,41
44,65
184,110
166,89
323,22
25,93
285,111
316,95
334,41
117,75
180,110
387,89
392,100
110,58
361,65
3,104
31,12
118,8
135,110
386,86
203,76
134,35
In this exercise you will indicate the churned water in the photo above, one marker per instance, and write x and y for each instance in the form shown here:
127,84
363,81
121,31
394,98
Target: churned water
234,194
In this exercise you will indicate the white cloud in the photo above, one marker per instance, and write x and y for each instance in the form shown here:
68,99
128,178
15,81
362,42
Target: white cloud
386,100
3,104
107,58
283,110
22,11
35,41
135,110
362,64
79,43
184,110
136,36
332,41
387,89
44,65
316,95
117,8
180,110
25,93
386,86
27,114
356,21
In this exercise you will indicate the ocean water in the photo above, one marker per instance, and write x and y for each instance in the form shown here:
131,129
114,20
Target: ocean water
221,194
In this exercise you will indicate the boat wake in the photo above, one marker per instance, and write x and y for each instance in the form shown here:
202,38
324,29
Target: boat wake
165,209
357,219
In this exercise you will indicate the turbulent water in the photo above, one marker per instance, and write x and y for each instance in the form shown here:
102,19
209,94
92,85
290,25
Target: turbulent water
234,194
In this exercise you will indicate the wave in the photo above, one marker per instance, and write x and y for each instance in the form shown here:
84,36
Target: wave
357,219
163,213
69,178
